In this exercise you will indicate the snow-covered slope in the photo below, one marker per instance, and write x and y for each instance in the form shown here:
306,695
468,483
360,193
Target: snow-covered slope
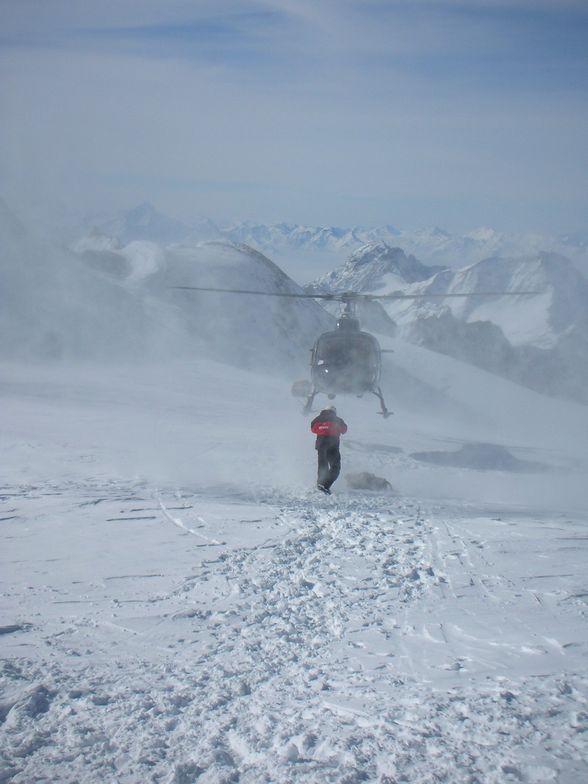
538,339
144,222
248,330
558,306
178,605
104,298
53,306
305,252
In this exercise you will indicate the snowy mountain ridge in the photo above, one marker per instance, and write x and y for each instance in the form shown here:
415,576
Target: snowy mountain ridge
557,306
374,267
541,319
104,298
122,298
434,245
539,338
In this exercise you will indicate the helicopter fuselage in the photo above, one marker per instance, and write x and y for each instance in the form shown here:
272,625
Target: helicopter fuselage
346,361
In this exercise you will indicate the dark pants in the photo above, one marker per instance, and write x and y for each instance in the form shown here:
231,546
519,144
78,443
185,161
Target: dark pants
329,462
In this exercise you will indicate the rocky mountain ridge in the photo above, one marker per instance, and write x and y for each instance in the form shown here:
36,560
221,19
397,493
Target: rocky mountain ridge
527,319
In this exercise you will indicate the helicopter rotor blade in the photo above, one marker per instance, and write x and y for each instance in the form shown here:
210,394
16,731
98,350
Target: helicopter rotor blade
258,293
347,296
443,296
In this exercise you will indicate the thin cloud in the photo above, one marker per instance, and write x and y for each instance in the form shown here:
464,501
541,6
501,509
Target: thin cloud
357,112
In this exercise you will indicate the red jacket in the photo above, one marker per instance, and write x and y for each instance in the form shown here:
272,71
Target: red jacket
328,424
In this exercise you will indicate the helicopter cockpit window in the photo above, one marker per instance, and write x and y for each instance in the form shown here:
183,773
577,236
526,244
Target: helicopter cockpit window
339,350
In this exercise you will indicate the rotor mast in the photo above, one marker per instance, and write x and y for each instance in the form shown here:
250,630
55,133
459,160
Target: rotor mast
348,320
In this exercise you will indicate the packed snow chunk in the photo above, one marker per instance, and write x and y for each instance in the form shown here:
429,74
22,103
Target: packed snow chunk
33,703
14,627
364,480
186,772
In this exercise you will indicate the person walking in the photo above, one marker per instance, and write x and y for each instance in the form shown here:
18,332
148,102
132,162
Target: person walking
328,427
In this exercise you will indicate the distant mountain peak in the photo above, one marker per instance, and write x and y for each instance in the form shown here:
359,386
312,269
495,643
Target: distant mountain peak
146,222
373,266
285,240
145,209
437,231
484,234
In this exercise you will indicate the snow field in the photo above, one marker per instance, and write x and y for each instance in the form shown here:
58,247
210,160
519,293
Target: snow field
286,638
177,607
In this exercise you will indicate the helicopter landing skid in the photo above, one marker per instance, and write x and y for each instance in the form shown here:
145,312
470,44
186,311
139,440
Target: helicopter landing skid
384,412
377,392
309,401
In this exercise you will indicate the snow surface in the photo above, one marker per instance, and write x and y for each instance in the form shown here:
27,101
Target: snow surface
179,605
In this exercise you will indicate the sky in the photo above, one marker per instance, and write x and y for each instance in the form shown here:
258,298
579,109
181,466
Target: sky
327,112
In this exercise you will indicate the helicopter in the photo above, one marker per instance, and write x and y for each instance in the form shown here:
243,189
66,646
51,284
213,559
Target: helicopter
346,360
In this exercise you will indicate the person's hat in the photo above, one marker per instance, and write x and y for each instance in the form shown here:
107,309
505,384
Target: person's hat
332,408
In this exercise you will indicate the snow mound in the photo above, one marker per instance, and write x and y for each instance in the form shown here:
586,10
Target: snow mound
481,457
364,480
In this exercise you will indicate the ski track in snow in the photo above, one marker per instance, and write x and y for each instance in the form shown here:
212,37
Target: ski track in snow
354,638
